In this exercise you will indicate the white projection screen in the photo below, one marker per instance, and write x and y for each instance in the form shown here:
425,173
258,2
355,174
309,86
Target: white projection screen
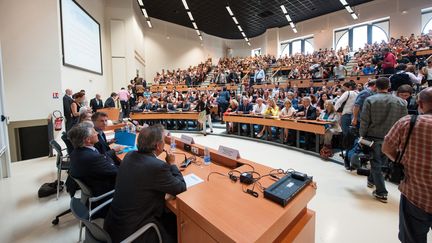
81,39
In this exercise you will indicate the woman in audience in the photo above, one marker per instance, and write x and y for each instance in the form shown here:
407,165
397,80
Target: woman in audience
76,106
233,106
323,98
204,106
329,114
271,110
287,112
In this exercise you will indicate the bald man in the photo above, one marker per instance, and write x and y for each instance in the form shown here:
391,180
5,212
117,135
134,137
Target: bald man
415,209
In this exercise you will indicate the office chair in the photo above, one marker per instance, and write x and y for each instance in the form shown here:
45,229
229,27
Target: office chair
94,232
62,162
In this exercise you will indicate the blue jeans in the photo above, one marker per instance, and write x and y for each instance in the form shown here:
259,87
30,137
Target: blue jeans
414,223
376,176
346,123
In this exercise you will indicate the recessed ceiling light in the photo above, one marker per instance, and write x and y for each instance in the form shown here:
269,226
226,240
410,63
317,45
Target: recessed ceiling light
229,10
149,24
194,25
185,4
190,16
283,9
292,25
235,20
198,32
288,18
243,34
354,16
248,43
145,13
140,2
295,30
349,9
200,37
343,2
240,28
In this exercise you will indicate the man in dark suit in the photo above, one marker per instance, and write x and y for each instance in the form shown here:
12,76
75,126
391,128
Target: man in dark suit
245,108
67,101
223,102
142,182
100,120
95,170
96,103
110,102
307,111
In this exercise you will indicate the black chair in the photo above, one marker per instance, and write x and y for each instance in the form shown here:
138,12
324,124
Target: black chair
95,233
62,162
68,143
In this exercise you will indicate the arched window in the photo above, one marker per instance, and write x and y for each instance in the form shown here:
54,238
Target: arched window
427,21
342,41
308,47
355,37
300,45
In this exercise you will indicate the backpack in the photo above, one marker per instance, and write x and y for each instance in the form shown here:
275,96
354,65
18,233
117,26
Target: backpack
399,79
50,188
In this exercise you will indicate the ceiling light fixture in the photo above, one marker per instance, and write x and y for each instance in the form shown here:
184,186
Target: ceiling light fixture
283,9
230,12
140,2
189,13
349,9
295,30
288,18
149,24
354,16
343,2
185,4
190,16
292,25
235,20
145,13
249,44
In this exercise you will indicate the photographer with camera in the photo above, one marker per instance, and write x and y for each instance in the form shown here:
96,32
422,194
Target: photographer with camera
415,210
380,112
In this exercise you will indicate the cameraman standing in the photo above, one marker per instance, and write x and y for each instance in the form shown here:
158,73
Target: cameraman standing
380,112
415,209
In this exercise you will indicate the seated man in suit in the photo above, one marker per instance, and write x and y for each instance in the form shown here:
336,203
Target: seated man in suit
245,108
100,120
95,170
307,112
96,103
110,102
142,182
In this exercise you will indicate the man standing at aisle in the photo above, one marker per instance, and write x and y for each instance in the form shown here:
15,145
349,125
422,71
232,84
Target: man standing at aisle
380,112
124,101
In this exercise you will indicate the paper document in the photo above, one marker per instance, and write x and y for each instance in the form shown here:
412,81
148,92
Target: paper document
192,180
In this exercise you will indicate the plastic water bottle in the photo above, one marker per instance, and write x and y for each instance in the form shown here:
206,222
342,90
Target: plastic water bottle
207,160
173,144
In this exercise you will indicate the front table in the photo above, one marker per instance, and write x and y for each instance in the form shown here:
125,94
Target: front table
218,210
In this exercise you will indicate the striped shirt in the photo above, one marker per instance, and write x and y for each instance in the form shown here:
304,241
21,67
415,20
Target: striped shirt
417,160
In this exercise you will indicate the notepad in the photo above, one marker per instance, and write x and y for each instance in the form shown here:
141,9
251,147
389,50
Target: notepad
192,180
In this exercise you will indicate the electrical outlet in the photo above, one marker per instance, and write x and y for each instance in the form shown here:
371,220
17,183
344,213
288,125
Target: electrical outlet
195,150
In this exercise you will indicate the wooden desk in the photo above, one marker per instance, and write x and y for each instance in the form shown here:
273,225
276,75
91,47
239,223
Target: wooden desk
311,126
424,52
113,113
164,116
217,210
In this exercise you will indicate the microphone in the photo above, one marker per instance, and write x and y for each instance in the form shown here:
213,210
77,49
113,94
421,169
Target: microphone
186,161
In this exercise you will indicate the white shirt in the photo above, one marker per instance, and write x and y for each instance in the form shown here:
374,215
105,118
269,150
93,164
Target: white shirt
290,112
259,109
429,72
414,79
348,108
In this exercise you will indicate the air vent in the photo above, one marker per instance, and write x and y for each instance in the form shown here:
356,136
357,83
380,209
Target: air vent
265,14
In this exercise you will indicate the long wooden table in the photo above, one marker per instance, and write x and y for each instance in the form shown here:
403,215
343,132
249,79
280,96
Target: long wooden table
189,115
311,126
217,210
